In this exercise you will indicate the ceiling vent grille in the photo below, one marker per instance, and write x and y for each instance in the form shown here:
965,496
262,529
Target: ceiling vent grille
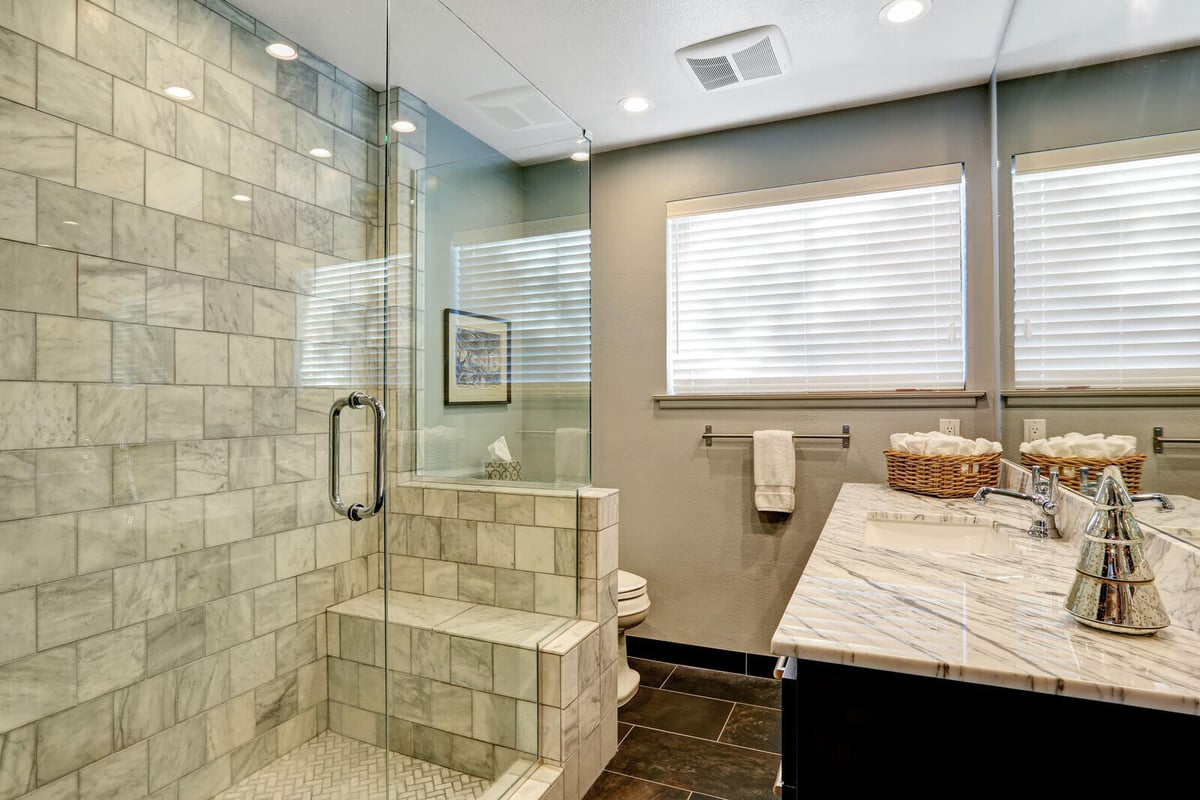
744,57
518,108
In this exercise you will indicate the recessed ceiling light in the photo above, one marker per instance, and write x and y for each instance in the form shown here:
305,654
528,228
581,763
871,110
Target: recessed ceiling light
404,126
179,92
69,222
635,104
580,155
242,198
320,152
898,12
283,51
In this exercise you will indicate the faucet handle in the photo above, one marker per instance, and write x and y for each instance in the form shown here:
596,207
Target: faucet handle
1036,476
1052,486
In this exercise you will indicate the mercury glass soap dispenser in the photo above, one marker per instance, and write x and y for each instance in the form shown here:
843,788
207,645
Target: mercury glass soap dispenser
1114,585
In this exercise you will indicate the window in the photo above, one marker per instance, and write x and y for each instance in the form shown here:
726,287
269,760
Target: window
1106,265
854,284
344,322
542,285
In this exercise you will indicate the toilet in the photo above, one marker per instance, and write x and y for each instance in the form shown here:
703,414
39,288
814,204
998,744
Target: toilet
633,603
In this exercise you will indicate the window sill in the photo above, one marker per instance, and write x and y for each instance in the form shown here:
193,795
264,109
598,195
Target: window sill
1100,398
923,398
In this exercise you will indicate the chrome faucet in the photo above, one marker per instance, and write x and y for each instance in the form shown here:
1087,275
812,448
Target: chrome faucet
1043,525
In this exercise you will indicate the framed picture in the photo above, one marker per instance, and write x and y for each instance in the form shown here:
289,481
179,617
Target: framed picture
478,368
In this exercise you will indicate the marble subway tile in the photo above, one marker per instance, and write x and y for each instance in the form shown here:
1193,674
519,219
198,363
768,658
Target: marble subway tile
554,512
441,579
51,22
204,33
251,259
274,606
47,412
287,357
274,314
36,144
230,725
74,608
335,103
425,537
110,414
332,543
18,620
174,640
566,551
110,166
18,203
18,82
111,661
36,279
477,584
251,61
143,591
295,175
143,235
200,248
177,187
515,589
73,349
450,708
74,479
201,467
274,215
228,98
219,206
143,354
147,118
471,663
144,709
333,189
111,537
74,738
252,158
274,118
296,646
313,683
294,553
314,593
201,358
59,206
274,508
343,681
251,361
497,544
160,17
201,576
260,751
312,131
293,268
121,775
168,65
174,300
555,594
18,773
18,483
535,549
275,702
111,290
202,685
477,506
174,412
357,639
252,664
111,44
314,227
251,462
494,719
228,307
174,526
177,751
274,411
351,155
229,621
36,551
32,688
72,90
431,654
206,782
296,82
202,140
459,540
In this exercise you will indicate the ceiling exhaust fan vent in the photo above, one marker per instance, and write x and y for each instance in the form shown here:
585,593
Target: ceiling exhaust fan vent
744,57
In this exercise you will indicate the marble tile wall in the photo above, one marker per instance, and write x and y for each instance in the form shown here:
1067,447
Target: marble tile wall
168,551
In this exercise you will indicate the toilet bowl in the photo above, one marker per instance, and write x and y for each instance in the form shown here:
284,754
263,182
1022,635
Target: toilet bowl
633,603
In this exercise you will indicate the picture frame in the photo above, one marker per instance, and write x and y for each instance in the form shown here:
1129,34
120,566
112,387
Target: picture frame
477,369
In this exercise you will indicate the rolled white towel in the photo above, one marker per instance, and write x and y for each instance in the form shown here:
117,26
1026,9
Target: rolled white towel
1092,448
982,447
1123,445
898,441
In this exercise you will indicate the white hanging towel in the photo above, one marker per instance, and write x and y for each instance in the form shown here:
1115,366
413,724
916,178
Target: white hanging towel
774,471
571,458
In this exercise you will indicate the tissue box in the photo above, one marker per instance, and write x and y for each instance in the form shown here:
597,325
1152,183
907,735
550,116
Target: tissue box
502,470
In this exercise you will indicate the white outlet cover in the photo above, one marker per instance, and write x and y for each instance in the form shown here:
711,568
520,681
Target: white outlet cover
950,427
1034,429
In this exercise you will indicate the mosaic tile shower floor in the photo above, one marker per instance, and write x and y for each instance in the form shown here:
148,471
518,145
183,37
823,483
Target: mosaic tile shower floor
334,767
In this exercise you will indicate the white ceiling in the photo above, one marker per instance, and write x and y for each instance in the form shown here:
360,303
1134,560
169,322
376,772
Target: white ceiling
585,56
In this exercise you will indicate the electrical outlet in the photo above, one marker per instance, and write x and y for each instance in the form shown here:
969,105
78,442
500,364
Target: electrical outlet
948,427
1035,429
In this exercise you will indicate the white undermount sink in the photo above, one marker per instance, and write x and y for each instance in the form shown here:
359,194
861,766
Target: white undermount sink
947,533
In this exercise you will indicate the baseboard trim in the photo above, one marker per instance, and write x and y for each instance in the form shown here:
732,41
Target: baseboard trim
693,655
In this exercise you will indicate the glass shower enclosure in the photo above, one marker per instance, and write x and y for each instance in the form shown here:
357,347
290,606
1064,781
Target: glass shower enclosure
294,400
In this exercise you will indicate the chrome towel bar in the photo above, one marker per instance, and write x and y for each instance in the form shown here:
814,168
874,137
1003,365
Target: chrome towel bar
1160,440
708,436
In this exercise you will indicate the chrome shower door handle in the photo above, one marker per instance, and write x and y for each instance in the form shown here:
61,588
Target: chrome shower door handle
357,511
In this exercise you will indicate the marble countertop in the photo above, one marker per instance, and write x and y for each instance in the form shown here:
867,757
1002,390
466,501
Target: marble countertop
989,619
1183,521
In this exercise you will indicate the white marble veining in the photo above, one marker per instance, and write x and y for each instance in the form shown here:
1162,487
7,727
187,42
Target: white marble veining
996,620
1183,521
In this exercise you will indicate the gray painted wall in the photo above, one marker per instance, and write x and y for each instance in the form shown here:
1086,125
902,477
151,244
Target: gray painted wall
719,574
1138,97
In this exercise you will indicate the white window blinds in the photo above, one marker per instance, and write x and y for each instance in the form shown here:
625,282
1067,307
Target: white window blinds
1106,266
542,285
343,323
842,285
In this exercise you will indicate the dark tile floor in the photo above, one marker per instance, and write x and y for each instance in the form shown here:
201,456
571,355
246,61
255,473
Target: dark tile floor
694,734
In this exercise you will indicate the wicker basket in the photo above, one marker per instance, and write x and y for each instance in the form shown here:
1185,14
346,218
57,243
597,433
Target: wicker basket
1068,468
941,476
